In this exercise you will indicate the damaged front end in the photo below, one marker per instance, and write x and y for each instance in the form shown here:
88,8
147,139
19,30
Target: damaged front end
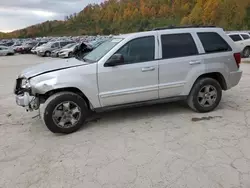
24,96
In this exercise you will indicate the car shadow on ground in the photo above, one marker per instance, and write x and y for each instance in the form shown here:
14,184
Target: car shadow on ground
136,113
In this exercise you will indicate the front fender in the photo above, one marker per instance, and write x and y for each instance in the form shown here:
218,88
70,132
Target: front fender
77,77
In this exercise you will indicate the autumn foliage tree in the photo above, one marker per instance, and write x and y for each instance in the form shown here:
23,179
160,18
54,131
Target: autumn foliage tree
123,16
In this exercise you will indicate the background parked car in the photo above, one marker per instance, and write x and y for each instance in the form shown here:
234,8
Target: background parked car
33,50
10,43
4,50
26,47
45,50
67,51
55,53
242,40
96,43
82,50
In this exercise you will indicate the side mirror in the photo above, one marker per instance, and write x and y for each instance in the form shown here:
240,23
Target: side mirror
116,59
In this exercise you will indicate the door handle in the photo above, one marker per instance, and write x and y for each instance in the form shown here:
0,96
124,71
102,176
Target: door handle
194,62
146,69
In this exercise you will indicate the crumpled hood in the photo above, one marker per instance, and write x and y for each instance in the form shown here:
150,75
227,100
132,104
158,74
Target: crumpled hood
51,66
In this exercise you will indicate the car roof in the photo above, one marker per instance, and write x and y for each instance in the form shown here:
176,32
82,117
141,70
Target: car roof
178,30
239,33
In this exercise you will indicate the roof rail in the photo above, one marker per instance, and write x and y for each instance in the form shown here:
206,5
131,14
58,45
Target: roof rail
182,27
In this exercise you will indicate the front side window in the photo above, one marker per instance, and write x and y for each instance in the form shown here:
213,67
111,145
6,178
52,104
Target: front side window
213,42
178,45
245,36
235,38
138,50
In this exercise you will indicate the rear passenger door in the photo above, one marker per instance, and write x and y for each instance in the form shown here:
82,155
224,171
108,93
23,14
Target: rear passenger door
179,55
217,53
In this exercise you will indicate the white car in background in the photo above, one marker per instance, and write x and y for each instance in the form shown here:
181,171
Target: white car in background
242,41
67,52
4,50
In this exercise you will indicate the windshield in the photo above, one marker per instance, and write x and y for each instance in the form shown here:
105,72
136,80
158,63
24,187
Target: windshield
101,50
48,44
69,45
41,43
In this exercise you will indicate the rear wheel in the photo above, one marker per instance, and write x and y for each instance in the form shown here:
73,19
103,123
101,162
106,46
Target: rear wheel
246,52
64,112
47,54
205,95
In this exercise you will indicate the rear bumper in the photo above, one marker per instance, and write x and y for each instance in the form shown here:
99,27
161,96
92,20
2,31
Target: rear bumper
234,78
54,55
40,53
33,51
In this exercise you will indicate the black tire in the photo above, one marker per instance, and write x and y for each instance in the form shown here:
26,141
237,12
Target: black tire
52,102
246,52
193,99
47,54
70,54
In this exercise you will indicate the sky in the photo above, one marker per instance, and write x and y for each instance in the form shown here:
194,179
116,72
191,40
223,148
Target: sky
18,14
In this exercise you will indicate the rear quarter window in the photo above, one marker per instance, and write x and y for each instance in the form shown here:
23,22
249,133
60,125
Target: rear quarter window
245,36
235,38
213,42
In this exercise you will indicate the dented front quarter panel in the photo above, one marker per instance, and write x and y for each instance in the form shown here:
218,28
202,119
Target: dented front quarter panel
82,77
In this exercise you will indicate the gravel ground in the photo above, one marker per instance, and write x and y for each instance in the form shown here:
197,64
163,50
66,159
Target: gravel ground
157,146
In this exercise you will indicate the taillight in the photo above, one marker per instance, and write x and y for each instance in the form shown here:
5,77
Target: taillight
237,57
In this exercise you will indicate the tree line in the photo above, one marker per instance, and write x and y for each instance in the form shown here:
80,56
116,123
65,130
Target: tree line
123,16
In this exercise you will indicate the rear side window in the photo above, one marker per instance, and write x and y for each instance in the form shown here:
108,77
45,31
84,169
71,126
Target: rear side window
178,45
245,37
213,42
55,45
235,38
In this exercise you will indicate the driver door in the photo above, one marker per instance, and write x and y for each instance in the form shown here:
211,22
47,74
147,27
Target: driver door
134,81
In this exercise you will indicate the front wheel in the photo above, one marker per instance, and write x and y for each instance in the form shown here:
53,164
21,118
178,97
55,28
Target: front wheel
70,54
205,95
64,112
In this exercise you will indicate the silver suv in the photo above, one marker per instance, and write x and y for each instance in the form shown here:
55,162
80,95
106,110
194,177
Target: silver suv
46,49
192,64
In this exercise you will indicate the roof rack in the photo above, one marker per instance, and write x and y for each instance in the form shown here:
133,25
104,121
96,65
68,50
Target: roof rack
182,27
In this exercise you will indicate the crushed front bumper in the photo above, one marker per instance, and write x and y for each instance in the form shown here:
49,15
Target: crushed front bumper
29,102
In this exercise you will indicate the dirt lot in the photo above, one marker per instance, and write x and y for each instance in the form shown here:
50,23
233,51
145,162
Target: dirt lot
158,146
